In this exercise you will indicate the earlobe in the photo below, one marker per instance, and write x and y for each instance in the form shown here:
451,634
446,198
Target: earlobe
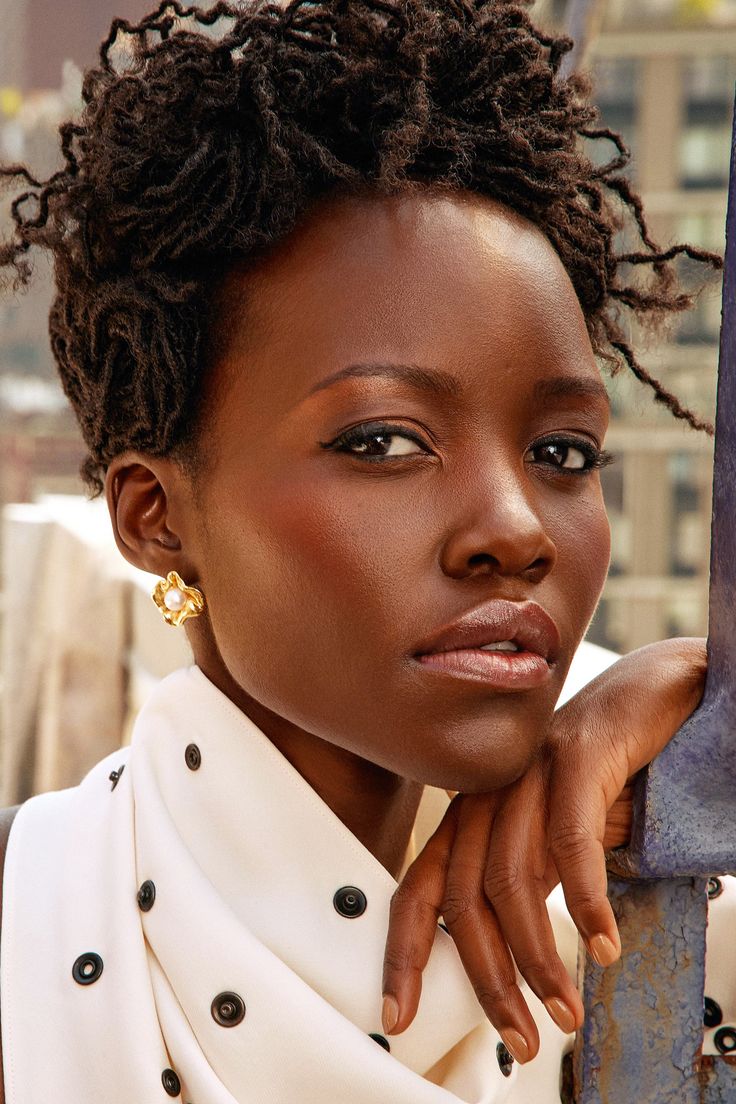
140,491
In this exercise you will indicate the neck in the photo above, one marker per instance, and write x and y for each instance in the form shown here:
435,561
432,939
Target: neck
377,806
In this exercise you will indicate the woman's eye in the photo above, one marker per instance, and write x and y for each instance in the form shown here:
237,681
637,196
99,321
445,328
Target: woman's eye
376,442
562,456
569,456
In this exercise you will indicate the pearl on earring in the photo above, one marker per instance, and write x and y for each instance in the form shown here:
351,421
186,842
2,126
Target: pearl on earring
176,600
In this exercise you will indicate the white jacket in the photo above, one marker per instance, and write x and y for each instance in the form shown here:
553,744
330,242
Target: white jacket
170,931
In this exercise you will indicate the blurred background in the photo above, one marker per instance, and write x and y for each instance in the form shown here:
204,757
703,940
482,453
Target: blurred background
664,73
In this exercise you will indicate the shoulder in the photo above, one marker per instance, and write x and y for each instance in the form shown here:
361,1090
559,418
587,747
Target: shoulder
56,836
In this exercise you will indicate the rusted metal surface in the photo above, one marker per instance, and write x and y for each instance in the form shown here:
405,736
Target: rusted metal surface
685,807
717,1078
644,1016
642,1038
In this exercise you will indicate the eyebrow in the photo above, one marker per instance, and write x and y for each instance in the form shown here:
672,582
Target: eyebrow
442,383
563,387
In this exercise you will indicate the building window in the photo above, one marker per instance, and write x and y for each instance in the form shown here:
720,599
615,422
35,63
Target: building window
704,155
701,324
690,531
615,81
710,80
705,145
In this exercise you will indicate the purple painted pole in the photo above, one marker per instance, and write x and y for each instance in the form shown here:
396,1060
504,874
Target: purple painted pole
643,1032
685,806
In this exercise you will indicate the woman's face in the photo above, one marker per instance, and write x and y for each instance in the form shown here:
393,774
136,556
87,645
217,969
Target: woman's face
401,435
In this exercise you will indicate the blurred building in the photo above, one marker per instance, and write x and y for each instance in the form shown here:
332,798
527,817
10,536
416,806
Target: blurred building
44,46
664,76
39,35
664,73
39,443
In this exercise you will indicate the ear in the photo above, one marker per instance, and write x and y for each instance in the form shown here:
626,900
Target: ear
146,496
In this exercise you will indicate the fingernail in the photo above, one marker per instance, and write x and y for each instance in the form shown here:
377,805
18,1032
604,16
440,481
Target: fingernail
389,1014
603,950
516,1045
561,1014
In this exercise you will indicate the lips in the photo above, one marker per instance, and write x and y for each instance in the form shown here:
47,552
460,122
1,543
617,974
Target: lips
457,649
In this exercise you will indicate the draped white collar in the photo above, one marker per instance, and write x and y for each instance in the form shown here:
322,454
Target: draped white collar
243,860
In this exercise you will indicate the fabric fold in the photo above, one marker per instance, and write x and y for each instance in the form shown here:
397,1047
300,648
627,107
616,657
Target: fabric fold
244,861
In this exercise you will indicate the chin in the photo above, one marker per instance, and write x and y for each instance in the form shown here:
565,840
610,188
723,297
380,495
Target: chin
481,770
484,780
482,751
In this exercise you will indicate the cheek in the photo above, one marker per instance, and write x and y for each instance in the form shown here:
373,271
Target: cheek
312,586
316,591
583,541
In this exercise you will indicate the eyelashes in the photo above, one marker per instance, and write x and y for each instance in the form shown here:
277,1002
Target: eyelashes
386,443
562,452
376,440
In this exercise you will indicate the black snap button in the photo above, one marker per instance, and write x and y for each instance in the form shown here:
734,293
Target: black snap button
381,1040
725,1039
715,888
227,1009
87,968
146,896
114,776
712,1015
505,1060
350,901
171,1082
193,757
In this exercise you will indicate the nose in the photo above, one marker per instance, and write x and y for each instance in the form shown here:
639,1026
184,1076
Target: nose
499,533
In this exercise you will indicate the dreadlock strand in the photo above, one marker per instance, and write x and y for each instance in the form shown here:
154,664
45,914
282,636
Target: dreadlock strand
194,150
703,255
661,394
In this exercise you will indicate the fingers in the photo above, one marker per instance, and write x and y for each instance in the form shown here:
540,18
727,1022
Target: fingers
447,879
516,883
487,871
577,824
611,729
618,820
638,703
481,943
415,908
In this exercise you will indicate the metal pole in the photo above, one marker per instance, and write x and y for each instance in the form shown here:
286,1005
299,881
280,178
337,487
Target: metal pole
643,1034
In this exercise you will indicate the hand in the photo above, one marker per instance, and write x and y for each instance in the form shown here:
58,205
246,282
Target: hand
494,858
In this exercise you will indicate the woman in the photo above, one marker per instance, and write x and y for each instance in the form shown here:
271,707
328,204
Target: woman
333,281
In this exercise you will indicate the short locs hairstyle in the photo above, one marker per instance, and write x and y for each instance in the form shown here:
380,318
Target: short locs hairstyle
206,133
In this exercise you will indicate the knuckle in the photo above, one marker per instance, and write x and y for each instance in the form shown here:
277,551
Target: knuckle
494,995
503,881
403,893
584,900
409,908
405,900
396,960
458,907
538,971
569,843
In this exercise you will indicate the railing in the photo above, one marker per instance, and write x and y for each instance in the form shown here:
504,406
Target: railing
642,1038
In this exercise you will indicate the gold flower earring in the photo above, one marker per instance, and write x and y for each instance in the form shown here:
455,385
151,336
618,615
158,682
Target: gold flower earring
176,600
